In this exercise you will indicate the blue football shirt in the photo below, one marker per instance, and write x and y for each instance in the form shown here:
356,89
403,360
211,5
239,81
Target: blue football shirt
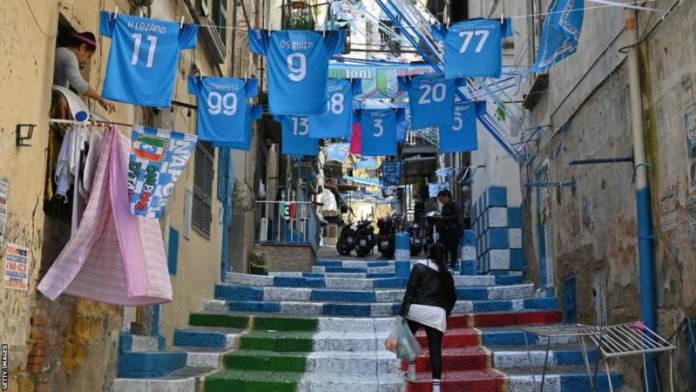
298,67
253,113
473,48
431,100
222,106
144,58
461,135
337,120
378,131
296,139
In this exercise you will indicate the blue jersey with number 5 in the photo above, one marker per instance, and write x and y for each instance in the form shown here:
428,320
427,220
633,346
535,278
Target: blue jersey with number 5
473,48
296,140
222,106
461,135
144,58
298,67
337,120
378,131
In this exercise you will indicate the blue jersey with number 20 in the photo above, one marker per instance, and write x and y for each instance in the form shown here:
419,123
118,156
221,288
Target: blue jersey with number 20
144,58
474,47
431,100
222,104
298,67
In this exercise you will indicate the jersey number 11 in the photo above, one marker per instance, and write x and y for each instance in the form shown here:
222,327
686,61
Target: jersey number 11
150,53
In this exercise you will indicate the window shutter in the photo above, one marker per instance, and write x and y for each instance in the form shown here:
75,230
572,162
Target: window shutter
202,216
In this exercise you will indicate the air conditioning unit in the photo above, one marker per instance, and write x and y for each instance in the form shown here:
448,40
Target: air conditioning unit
205,8
263,230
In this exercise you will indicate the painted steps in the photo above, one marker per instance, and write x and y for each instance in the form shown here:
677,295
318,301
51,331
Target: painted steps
298,354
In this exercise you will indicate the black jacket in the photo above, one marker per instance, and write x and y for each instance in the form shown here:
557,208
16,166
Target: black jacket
449,217
428,287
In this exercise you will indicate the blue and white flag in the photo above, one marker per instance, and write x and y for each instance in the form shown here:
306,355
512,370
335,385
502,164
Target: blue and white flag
158,157
560,35
391,174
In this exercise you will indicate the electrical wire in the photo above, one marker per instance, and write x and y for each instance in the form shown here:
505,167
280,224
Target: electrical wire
624,49
36,21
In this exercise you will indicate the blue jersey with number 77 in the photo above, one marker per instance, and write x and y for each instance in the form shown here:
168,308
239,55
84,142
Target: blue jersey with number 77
298,67
473,48
144,58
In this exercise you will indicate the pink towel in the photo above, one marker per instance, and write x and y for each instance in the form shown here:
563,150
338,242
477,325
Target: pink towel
114,257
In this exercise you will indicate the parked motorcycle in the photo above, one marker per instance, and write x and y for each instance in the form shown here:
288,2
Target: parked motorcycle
346,241
364,238
386,237
416,238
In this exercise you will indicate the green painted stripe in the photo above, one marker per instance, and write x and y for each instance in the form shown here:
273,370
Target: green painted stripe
252,381
266,361
285,324
218,320
279,341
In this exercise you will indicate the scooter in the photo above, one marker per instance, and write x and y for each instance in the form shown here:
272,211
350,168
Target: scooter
416,239
386,237
346,242
364,238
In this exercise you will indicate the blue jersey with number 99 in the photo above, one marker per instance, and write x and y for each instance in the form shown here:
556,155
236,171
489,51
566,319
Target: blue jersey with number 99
144,57
298,67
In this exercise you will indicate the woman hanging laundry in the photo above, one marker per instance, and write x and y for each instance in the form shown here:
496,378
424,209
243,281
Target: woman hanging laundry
70,59
429,299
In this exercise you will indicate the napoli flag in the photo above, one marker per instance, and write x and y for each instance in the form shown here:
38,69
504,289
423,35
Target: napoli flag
461,136
560,35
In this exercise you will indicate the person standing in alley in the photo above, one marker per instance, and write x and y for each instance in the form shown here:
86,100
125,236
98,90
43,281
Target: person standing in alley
430,297
449,227
70,59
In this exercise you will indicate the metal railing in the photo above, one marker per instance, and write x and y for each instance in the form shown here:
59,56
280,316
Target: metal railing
288,222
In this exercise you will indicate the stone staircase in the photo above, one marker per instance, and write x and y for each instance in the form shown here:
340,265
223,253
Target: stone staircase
324,330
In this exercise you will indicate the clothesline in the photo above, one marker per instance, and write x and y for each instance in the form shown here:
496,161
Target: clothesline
588,8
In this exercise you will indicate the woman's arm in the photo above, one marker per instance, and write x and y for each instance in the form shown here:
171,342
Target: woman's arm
411,288
71,69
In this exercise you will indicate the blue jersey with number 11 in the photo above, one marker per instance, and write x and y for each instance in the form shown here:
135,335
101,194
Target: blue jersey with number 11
144,57
298,67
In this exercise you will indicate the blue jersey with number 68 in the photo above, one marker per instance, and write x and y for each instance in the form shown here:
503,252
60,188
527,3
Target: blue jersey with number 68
222,104
298,67
337,120
144,57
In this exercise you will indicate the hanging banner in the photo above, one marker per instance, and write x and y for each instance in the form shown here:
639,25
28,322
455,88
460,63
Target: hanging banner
560,34
158,157
16,267
391,174
435,188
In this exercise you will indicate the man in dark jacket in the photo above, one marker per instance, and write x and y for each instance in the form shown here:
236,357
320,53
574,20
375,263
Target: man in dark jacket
449,227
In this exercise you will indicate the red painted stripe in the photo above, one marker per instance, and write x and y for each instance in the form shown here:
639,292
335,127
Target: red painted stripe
460,381
516,318
462,337
456,359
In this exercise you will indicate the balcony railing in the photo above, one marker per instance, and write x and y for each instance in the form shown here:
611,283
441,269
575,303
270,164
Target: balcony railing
288,222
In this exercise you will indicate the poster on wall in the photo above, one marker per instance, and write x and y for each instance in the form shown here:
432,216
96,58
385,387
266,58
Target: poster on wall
16,275
4,185
690,129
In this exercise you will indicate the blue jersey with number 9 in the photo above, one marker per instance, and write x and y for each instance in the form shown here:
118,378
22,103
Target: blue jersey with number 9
298,67
144,58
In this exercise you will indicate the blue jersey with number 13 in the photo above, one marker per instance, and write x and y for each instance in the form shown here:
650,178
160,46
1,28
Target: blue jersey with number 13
144,58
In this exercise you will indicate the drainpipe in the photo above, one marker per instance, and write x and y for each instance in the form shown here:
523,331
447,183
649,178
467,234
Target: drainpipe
645,234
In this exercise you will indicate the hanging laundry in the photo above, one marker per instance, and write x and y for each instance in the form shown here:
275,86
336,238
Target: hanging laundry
298,67
461,135
114,257
337,120
222,107
143,58
474,47
157,159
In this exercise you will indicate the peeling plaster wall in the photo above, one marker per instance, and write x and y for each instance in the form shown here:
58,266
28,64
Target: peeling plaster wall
593,225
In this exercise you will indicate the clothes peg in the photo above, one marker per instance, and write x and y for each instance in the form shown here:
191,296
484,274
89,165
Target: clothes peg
181,25
502,18
115,12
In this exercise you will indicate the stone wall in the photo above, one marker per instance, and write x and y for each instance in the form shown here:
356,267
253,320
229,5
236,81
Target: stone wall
286,258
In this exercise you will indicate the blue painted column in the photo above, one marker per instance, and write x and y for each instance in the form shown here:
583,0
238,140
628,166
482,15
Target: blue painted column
468,264
402,255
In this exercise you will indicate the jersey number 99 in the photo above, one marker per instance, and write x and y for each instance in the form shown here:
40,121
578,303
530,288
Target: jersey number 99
225,104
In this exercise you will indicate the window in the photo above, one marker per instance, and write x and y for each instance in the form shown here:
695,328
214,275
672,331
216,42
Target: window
201,214
213,22
219,18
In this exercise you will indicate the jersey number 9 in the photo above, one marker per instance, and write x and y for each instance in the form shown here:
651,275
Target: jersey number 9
297,64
